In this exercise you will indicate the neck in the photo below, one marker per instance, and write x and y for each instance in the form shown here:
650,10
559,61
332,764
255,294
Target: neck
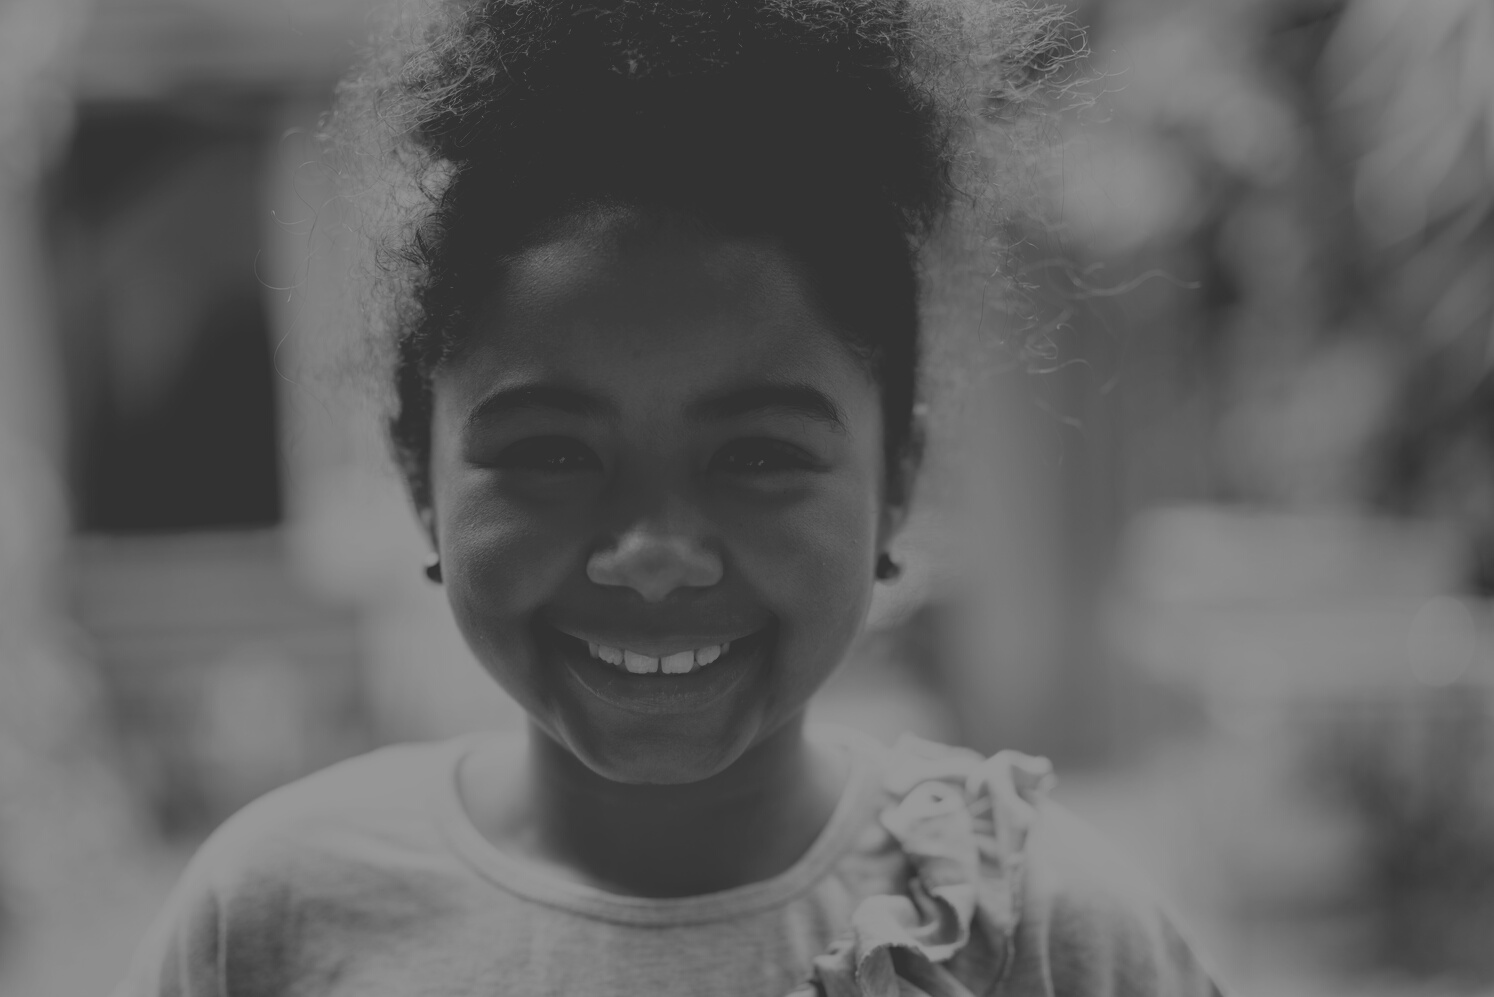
743,825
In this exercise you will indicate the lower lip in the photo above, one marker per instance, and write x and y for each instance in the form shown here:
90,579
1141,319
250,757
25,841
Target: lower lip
656,694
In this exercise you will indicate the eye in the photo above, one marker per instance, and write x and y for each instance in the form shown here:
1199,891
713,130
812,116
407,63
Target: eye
549,453
761,455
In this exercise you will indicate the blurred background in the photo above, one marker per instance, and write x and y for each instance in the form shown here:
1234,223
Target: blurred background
1223,546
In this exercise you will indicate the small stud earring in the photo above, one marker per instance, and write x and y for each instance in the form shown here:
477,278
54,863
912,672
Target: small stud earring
433,568
887,568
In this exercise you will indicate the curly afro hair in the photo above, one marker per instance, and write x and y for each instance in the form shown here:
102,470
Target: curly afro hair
832,126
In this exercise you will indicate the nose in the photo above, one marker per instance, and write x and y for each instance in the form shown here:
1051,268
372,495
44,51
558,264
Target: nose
654,564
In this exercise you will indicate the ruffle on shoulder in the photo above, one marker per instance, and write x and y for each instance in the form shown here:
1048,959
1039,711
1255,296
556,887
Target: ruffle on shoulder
962,821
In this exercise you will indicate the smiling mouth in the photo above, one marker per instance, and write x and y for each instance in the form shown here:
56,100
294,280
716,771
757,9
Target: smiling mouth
679,663
684,661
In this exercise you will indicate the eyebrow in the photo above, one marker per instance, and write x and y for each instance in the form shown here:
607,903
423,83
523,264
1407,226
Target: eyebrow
529,397
792,399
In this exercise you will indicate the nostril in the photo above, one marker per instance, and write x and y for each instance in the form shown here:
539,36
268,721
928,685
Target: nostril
654,566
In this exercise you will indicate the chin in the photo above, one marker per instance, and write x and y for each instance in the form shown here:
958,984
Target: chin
671,758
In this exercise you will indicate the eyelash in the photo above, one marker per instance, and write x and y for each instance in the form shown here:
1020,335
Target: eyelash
554,454
760,450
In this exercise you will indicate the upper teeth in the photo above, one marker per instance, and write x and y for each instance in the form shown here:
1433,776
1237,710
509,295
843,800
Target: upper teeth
670,664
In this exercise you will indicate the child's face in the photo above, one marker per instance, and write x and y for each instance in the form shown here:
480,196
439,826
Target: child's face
654,444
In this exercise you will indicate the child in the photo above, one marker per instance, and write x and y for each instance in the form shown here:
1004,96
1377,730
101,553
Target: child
655,324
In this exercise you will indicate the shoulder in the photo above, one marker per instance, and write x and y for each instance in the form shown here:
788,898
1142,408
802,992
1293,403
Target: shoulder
366,791
327,848
1029,894
1091,924
385,794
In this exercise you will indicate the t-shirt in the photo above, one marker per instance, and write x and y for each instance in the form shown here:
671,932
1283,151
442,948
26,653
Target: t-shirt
938,873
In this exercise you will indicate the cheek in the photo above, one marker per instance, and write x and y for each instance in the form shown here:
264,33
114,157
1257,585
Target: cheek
501,556
814,564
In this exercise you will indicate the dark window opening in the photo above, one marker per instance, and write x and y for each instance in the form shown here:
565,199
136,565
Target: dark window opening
156,223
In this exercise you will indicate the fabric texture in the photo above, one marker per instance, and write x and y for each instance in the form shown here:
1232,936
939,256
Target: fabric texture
961,822
940,873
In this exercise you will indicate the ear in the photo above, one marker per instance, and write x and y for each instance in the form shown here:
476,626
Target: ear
891,523
427,516
899,483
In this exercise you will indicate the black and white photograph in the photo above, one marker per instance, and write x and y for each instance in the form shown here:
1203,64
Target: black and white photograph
757,498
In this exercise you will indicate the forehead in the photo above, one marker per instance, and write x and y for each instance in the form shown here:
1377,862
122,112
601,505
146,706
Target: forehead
618,294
